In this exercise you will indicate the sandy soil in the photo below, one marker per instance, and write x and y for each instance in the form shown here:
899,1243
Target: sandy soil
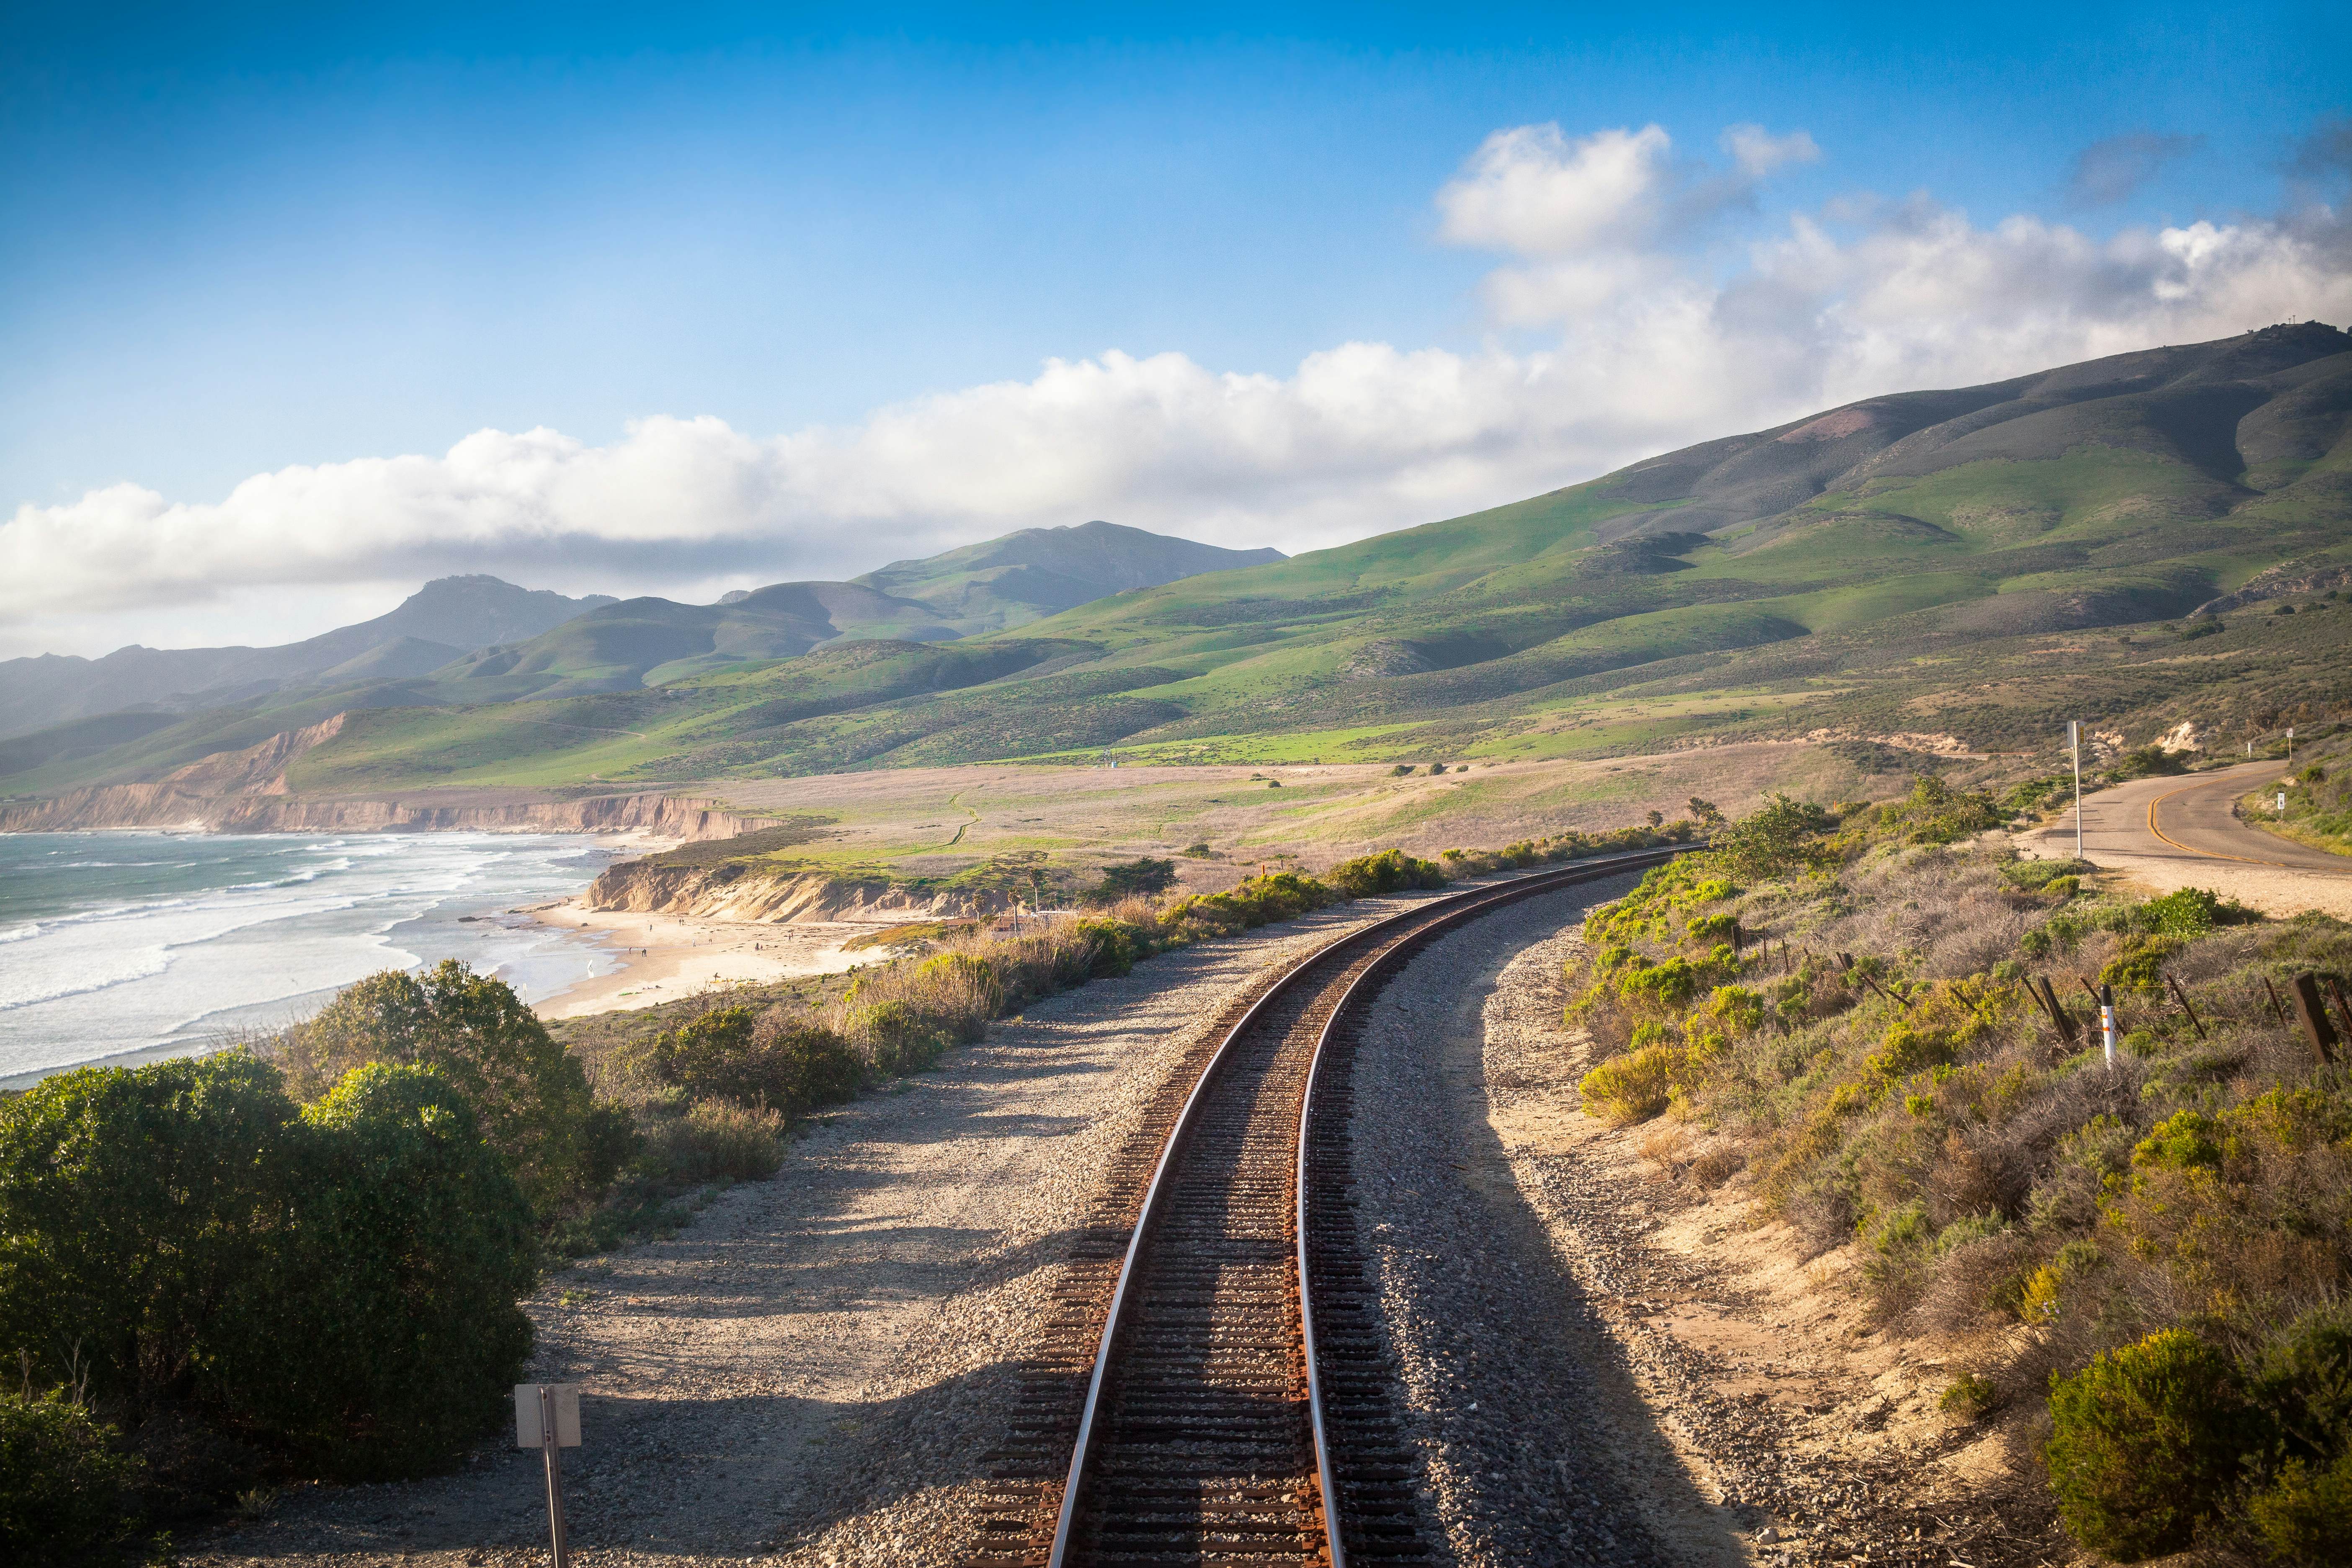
665,956
814,1371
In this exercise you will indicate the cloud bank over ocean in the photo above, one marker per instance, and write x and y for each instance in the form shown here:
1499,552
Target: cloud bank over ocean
1616,328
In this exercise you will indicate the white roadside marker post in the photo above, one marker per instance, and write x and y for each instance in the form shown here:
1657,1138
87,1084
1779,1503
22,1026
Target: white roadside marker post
547,1417
2108,1022
2074,745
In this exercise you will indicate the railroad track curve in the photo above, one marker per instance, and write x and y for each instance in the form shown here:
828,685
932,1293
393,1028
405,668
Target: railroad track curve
1212,1387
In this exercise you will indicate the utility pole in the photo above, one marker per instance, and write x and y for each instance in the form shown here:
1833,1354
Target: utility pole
2074,745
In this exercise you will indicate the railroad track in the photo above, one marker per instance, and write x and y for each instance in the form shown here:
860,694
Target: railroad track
1210,1386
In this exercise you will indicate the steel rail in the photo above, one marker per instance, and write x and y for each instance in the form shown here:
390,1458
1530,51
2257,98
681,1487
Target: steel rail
1408,925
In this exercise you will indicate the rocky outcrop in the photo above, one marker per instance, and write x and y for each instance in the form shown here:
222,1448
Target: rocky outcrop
736,891
2287,580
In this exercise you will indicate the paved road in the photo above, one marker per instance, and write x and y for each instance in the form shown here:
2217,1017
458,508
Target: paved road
2178,832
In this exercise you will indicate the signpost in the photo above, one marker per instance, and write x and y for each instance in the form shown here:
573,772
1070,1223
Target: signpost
547,1417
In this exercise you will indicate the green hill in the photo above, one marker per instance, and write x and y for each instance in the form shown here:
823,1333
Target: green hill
1037,572
1946,568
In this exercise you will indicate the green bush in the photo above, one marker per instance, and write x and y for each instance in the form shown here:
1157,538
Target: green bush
1666,986
532,1097
337,1282
1133,879
138,1206
64,1486
1634,1087
1769,842
390,1334
718,1140
777,1059
1112,946
897,1037
1390,872
2305,1513
2302,1387
1970,1396
1708,930
2147,1444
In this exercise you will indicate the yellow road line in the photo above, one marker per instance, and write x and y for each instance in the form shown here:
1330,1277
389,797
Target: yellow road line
2209,854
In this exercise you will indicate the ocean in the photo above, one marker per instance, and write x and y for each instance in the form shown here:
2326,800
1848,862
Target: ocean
123,947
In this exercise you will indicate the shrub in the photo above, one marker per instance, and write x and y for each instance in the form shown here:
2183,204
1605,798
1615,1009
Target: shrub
1666,986
64,1488
1390,872
2192,912
2305,1514
2145,1444
137,1208
775,1059
390,1336
803,1064
1111,946
1634,1087
1970,1396
2302,1387
740,1142
1708,930
338,1281
1769,842
1133,879
532,1097
1276,896
897,1038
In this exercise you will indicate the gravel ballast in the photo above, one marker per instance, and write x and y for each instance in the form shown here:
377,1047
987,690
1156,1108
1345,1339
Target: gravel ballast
1604,1362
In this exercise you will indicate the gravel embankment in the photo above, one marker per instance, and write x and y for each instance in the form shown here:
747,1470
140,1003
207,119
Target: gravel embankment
813,1372
1602,1364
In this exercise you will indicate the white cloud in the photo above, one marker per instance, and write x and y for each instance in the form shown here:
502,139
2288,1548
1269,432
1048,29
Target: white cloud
1531,190
1633,349
1759,153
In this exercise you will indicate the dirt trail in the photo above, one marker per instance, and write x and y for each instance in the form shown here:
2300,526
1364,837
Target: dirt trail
814,1370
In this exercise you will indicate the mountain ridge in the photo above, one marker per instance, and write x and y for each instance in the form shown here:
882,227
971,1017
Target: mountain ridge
443,620
1902,565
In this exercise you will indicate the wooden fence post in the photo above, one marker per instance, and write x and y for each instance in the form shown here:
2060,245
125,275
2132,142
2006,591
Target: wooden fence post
2316,1022
2182,997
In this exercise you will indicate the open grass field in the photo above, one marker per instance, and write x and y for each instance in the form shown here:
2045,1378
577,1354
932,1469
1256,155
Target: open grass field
1218,824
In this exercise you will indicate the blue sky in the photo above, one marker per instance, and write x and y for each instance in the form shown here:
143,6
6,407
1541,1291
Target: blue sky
258,239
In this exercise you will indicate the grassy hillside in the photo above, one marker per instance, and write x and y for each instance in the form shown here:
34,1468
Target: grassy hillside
1004,584
1976,565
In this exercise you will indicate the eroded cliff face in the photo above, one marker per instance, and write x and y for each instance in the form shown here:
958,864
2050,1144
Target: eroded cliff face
166,804
740,893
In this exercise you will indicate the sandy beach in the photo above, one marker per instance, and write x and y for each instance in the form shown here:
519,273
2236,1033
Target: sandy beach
665,956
